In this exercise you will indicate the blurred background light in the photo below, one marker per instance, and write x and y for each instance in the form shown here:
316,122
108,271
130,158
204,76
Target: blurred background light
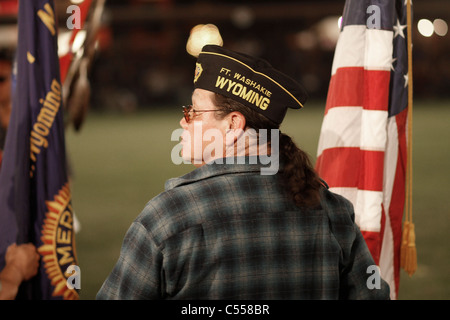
201,35
440,27
306,40
242,17
327,32
425,27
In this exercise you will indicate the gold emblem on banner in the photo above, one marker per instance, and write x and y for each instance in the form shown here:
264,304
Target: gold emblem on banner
58,249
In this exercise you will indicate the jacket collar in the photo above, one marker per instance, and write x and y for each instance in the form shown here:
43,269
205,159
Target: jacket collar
217,168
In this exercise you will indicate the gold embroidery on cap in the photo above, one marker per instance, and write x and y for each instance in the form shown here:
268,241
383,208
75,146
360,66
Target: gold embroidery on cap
243,92
260,73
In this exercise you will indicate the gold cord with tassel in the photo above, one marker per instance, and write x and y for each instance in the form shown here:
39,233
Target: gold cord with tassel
408,251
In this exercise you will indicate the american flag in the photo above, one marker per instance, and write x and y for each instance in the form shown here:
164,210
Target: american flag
362,150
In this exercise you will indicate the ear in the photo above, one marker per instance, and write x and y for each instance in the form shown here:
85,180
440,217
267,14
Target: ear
237,120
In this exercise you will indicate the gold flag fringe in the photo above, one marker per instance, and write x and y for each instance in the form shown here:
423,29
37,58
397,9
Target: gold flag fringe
408,251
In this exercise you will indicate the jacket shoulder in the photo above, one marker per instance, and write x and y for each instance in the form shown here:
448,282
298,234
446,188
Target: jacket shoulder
341,217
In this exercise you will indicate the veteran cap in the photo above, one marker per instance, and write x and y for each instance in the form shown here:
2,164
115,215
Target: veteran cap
248,80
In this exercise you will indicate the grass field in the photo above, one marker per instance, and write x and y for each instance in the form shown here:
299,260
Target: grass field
120,161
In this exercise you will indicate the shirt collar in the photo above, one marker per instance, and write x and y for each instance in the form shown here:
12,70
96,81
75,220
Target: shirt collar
228,166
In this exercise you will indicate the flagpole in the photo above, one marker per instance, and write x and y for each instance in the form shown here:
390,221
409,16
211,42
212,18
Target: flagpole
408,249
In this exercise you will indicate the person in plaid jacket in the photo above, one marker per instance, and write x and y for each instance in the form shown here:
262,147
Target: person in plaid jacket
229,229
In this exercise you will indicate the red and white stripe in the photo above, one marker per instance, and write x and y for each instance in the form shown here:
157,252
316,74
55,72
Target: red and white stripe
358,146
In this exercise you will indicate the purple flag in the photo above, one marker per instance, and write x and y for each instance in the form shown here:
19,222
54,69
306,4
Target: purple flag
35,198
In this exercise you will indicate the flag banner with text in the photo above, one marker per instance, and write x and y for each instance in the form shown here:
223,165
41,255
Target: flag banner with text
362,150
35,197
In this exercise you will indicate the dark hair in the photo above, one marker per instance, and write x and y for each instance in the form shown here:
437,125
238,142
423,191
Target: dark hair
298,174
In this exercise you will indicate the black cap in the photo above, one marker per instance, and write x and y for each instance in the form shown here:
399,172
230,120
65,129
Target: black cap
248,80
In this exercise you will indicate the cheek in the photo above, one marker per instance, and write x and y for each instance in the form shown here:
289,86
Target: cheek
192,142
203,137
187,140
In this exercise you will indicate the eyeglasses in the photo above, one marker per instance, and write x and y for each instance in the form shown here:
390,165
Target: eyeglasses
188,109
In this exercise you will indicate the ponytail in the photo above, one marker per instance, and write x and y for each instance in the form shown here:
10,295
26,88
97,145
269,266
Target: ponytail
298,173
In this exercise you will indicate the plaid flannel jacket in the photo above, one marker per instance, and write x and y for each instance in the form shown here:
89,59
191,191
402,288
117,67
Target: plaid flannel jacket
227,232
